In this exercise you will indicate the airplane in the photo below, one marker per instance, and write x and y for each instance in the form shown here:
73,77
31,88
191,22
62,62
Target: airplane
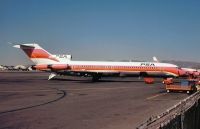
64,65
192,73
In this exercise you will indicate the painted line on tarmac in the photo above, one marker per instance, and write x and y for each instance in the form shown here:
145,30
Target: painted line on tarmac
155,96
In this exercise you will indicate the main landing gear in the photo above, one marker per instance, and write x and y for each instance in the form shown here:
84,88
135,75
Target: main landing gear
96,77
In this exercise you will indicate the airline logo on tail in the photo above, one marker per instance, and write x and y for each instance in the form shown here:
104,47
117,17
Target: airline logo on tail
37,54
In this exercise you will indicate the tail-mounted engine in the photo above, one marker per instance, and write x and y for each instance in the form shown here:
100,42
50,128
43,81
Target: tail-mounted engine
53,67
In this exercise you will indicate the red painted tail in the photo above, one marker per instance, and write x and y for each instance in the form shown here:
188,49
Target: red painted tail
37,54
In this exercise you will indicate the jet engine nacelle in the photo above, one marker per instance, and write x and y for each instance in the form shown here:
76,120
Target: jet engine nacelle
58,67
40,67
51,67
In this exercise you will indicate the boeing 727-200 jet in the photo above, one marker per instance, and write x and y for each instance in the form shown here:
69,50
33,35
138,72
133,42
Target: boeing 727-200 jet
64,65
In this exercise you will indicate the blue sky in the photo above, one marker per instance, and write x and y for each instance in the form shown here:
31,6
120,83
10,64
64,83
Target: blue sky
102,29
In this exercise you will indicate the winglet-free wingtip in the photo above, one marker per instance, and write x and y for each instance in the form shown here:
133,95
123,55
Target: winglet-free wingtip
155,59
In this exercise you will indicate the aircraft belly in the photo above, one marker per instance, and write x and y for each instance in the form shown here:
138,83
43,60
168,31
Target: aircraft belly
155,74
117,73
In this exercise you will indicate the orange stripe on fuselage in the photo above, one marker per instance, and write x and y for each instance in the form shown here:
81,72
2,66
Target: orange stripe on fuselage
124,68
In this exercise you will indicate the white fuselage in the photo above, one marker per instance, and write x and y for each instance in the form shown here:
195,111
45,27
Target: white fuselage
62,63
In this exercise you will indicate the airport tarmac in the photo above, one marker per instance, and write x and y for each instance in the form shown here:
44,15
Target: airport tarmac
29,101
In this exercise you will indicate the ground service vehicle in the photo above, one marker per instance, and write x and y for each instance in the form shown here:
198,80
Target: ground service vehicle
189,86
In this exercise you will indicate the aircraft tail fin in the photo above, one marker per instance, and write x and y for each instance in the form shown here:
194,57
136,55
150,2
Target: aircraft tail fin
37,54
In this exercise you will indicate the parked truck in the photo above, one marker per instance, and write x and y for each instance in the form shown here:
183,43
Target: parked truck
187,85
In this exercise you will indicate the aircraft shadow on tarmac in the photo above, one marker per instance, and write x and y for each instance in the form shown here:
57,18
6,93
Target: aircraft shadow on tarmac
101,81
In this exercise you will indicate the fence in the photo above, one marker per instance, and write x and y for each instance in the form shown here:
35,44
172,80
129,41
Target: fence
184,115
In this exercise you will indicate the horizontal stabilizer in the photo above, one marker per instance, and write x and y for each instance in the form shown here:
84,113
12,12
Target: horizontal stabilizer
25,45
